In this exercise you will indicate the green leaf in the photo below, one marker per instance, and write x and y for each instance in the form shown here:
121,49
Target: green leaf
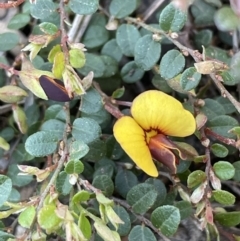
172,19
114,150
19,21
55,112
196,178
203,38
34,112
131,73
127,35
124,181
18,180
26,217
229,219
235,71
172,64
77,150
161,190
74,166
123,229
8,41
93,63
183,166
3,144
45,10
81,196
217,53
85,226
103,200
202,12
147,52
105,233
140,232
5,188
15,196
122,8
111,66
62,184
104,170
212,109
77,58
91,102
6,236
142,197
54,126
20,154
41,143
58,65
53,52
161,84
86,130
97,150
38,235
118,93
48,28
190,78
237,171
223,197
47,218
112,49
224,170
166,218
227,77
102,117
104,183
222,124
226,20
219,150
185,209
83,7
7,133
96,33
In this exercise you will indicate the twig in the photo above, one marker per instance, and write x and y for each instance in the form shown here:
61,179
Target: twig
223,139
11,4
75,27
64,36
108,102
140,217
195,54
11,70
83,28
152,8
79,26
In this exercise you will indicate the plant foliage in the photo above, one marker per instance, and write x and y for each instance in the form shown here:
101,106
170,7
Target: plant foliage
69,70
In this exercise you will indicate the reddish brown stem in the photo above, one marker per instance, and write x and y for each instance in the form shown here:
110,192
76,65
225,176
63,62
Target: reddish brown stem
120,102
224,140
11,4
11,70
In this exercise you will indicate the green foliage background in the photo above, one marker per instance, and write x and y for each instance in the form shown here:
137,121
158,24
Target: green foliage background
80,184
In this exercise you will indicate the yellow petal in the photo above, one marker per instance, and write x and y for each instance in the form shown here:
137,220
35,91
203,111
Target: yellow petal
131,137
154,109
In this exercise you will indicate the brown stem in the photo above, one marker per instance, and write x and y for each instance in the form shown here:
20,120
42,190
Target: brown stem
11,4
111,108
146,221
120,102
194,53
64,36
224,140
58,169
11,70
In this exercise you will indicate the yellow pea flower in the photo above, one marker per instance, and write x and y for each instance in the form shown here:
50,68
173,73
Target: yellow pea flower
155,115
